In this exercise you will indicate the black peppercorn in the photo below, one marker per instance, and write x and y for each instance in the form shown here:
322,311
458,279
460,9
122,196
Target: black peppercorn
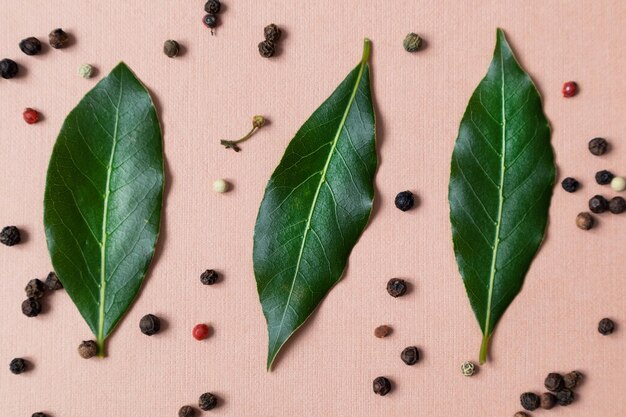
598,146
272,33
18,365
35,289
8,68
30,46
171,48
186,411
212,6
553,382
149,324
598,204
210,21
207,401
565,397
209,277
52,282
397,287
584,221
604,177
267,49
570,184
88,349
572,379
382,386
31,307
39,415
58,38
547,400
10,235
410,355
405,200
520,414
530,401
606,326
617,205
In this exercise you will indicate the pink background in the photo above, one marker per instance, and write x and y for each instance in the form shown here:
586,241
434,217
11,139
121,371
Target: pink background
209,93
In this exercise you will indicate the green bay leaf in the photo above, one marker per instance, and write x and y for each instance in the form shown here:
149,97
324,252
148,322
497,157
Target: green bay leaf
316,205
501,180
103,198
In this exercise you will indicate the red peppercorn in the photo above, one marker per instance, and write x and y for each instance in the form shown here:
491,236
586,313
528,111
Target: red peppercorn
200,331
31,116
570,89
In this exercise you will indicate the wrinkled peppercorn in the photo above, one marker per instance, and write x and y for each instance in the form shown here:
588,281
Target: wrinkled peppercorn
18,365
88,349
149,324
8,68
468,368
85,71
10,235
553,382
267,49
598,204
35,289
604,177
530,401
617,205
382,386
207,401
39,415
606,326
272,33
212,6
382,331
410,355
52,282
31,307
520,414
210,21
58,38
547,400
171,48
186,411
412,42
209,277
570,184
565,397
404,200
30,46
584,221
397,287
572,379
598,146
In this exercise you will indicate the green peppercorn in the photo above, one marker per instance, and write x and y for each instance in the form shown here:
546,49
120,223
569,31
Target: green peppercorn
212,6
267,49
584,221
31,307
35,289
617,205
209,277
547,400
207,401
186,411
272,33
530,401
598,204
88,349
8,68
381,386
412,42
30,46
410,355
150,324
565,397
553,382
397,287
58,38
18,366
572,379
85,71
606,326
52,282
171,48
598,146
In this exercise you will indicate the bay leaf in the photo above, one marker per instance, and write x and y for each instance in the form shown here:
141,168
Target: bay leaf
316,205
501,182
103,198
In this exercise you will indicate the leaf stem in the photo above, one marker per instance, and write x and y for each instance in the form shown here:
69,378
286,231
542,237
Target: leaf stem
367,48
100,344
484,348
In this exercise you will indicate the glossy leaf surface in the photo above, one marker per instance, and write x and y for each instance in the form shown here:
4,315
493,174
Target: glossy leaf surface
316,205
103,198
501,183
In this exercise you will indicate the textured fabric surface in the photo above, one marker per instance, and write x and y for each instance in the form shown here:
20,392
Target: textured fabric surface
210,93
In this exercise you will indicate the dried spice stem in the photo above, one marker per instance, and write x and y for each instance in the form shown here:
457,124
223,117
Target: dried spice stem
257,123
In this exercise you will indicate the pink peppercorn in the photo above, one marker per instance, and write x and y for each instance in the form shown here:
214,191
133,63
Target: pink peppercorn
570,89
200,331
31,116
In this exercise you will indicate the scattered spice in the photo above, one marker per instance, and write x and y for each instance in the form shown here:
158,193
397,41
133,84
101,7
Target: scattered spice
10,235
570,89
88,349
186,411
257,123
604,177
272,33
572,379
212,6
210,21
30,46
209,277
31,307
200,331
52,282
412,42
584,221
618,184
404,200
207,401
381,386
598,146
565,397
220,186
468,368
382,331
520,414
85,71
606,326
267,49
39,415
150,324
410,355
171,48
397,287
31,116
617,205
18,366
35,289
570,184
547,400
58,38
8,68
554,382
530,401
598,204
